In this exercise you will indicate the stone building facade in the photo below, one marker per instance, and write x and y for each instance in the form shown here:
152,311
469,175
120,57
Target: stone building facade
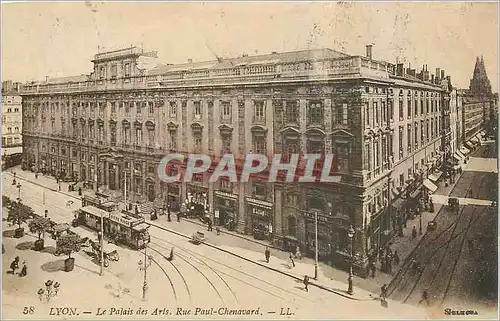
385,125
11,119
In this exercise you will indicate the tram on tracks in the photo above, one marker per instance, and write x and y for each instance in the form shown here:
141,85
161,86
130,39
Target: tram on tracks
119,227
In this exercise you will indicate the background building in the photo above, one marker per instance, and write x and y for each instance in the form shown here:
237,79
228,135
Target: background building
387,126
11,119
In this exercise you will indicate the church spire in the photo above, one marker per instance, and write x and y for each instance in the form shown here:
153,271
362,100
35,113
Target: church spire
480,84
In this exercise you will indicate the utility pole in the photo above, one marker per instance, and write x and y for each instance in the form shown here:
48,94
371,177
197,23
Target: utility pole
145,284
316,245
102,244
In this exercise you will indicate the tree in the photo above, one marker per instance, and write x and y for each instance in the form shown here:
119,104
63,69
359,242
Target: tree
68,244
19,213
39,225
6,201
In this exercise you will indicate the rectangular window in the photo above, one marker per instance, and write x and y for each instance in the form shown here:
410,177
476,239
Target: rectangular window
377,112
384,112
150,108
128,70
127,107
315,112
416,135
292,111
197,141
401,115
367,113
401,144
226,110
408,137
408,107
259,111
173,139
173,109
138,136
197,109
114,71
416,107
345,118
138,107
113,108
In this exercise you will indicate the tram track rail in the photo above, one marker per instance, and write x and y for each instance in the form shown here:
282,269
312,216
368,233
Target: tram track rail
176,269
432,241
200,257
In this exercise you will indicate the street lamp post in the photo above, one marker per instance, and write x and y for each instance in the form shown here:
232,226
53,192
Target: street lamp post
144,267
316,245
420,228
102,244
19,191
350,234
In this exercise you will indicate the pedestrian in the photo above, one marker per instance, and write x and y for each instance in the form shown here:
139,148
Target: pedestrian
425,297
381,254
209,223
171,256
414,232
267,253
36,175
168,214
24,270
389,262
470,245
298,254
178,216
14,265
290,257
396,258
14,174
306,283
217,230
383,292
373,268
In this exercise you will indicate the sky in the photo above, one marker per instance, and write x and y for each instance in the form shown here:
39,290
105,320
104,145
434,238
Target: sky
60,38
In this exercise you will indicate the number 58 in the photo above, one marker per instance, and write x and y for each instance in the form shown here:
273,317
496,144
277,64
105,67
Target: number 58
29,310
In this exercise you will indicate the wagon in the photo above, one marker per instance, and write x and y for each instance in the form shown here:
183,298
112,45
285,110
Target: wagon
198,238
431,226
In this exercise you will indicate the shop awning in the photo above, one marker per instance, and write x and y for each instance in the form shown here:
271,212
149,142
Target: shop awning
430,185
457,157
469,145
456,167
479,138
415,193
474,140
464,150
435,176
460,154
398,203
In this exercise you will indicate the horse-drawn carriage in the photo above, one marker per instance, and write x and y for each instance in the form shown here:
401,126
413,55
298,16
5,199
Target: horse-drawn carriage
109,254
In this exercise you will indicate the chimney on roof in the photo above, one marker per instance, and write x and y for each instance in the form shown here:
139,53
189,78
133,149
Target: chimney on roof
190,60
46,78
442,74
245,55
432,78
369,51
400,70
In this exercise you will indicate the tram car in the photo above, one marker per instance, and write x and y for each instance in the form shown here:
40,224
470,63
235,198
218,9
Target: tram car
118,227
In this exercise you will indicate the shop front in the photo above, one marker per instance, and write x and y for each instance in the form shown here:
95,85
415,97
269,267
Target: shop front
325,227
173,196
260,215
197,200
226,209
